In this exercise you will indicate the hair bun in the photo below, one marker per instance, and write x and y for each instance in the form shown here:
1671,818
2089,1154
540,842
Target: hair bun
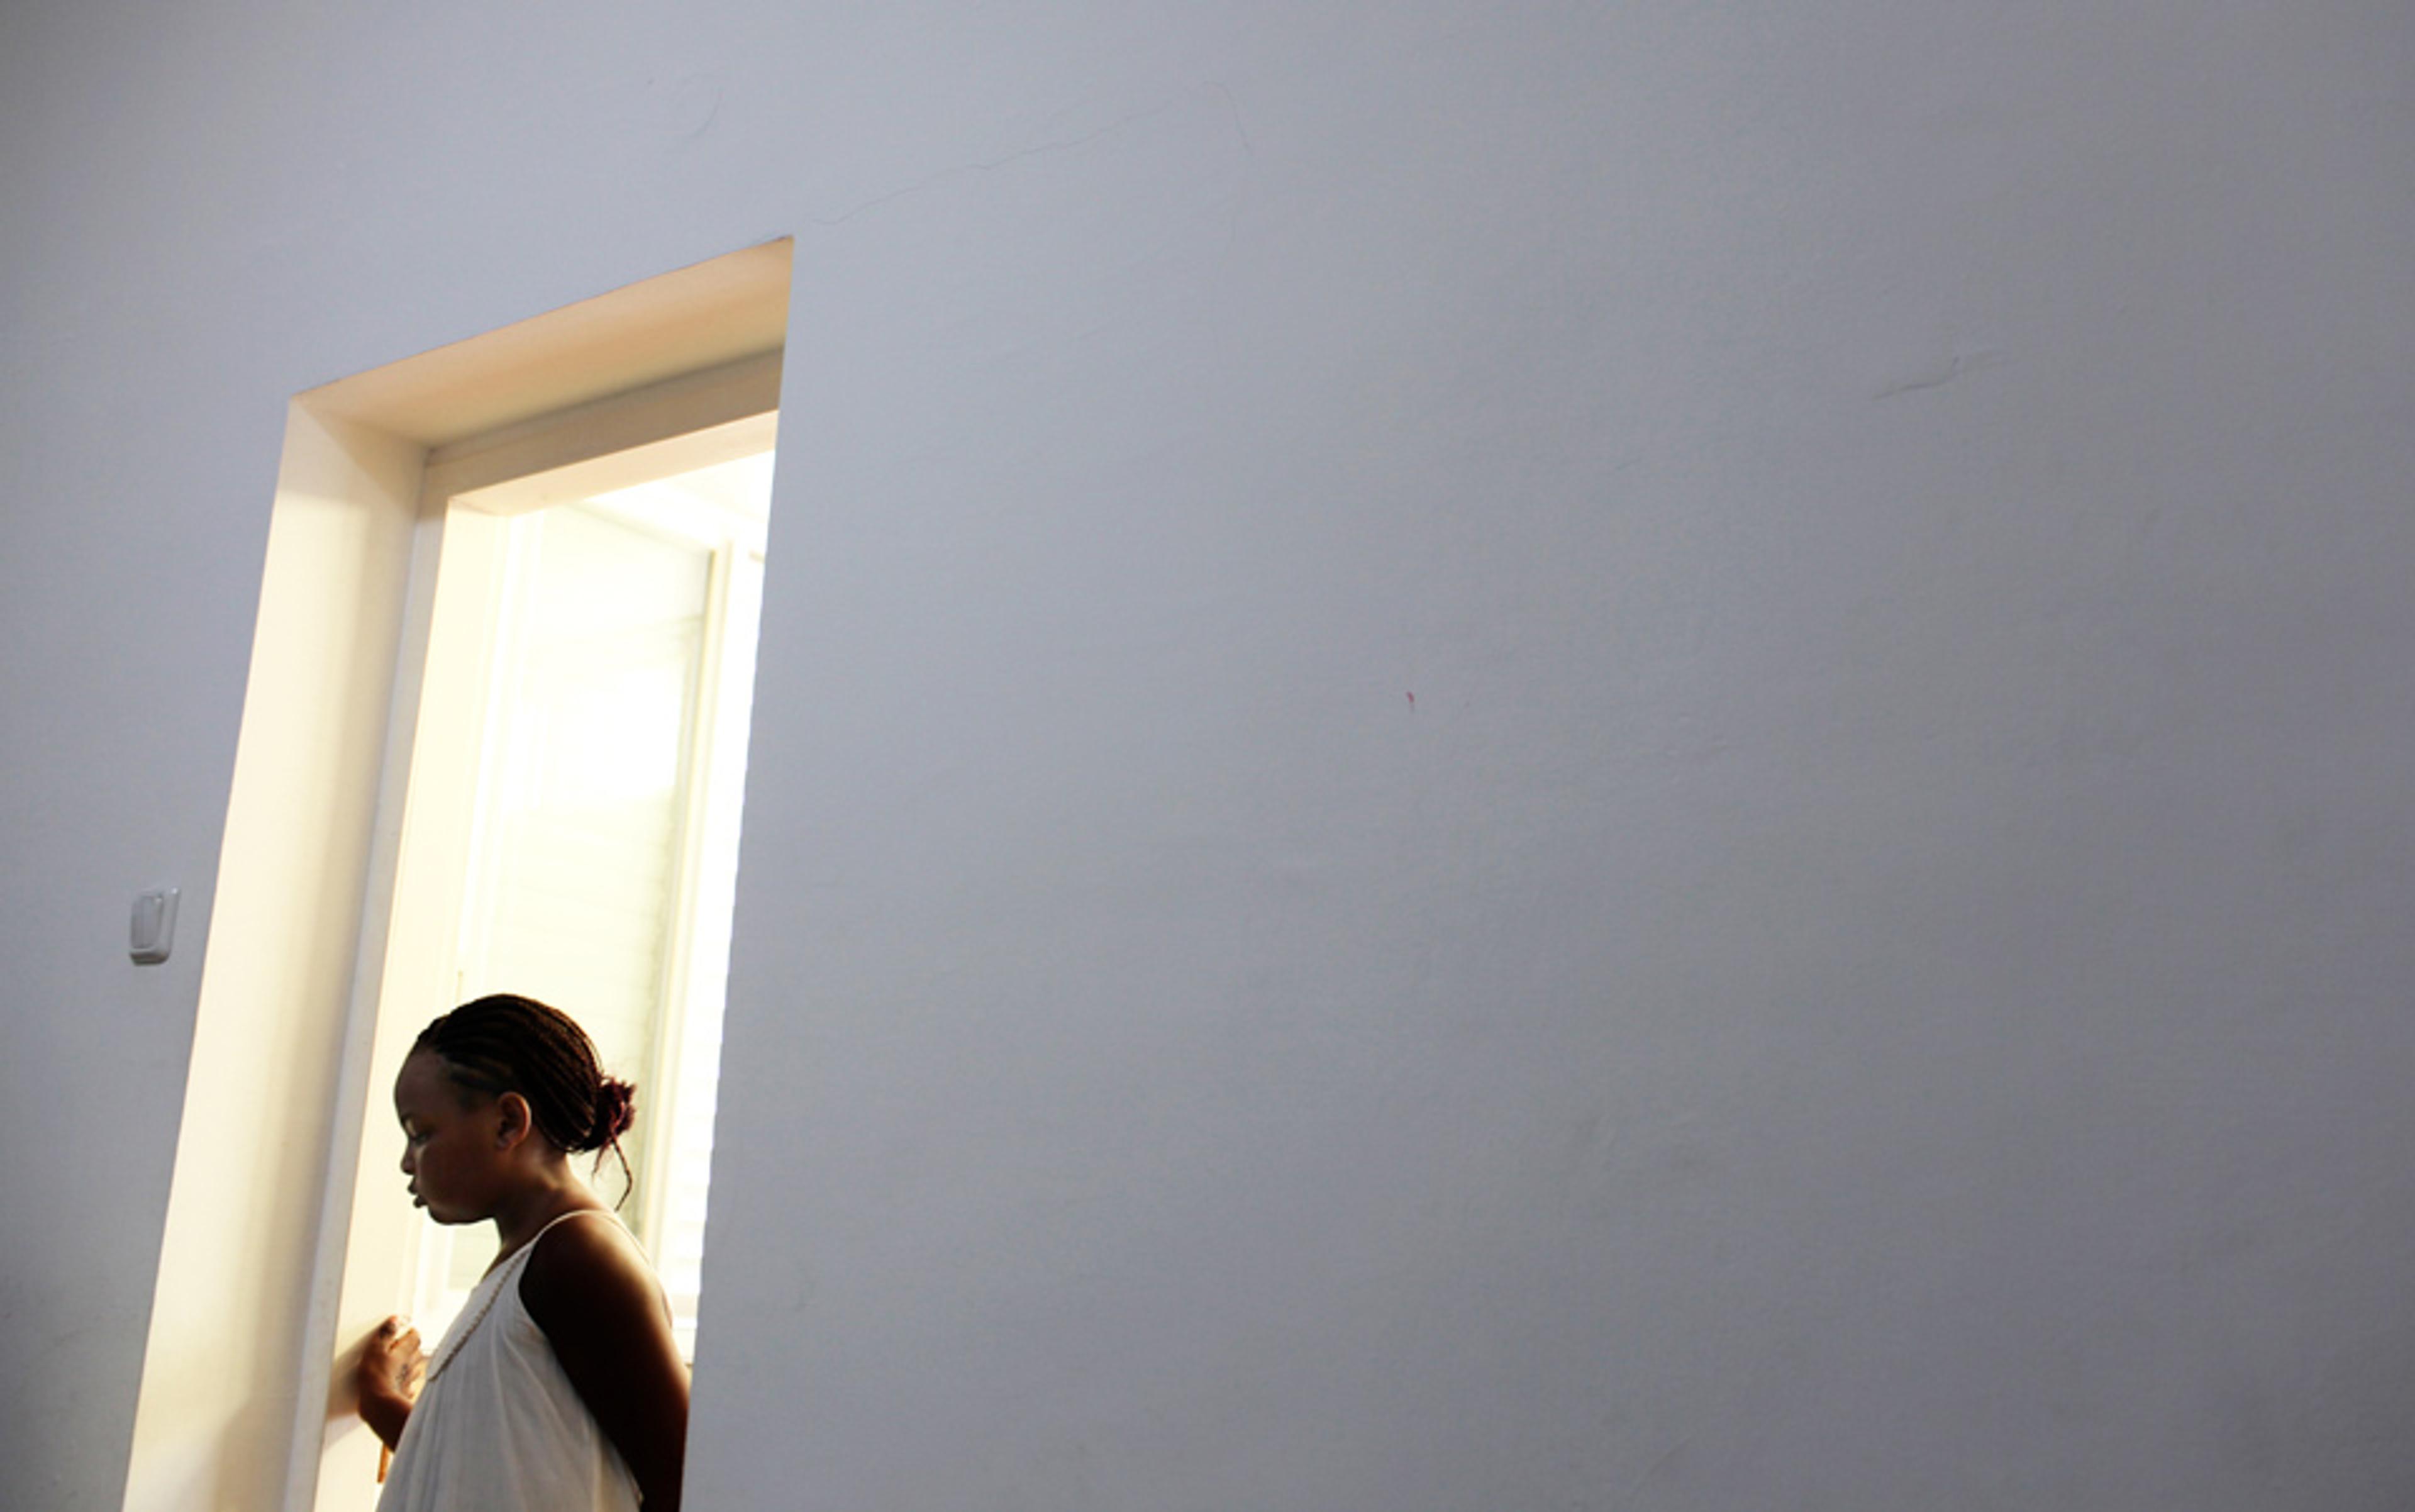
616,1108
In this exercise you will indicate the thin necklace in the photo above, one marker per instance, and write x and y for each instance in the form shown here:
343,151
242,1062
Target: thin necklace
459,1333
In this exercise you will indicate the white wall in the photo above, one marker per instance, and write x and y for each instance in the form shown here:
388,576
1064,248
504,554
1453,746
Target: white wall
1871,974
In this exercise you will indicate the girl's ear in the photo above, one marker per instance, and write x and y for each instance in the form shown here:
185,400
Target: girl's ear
513,1120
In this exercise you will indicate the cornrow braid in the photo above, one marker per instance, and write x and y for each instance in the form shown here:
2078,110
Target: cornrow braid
507,1043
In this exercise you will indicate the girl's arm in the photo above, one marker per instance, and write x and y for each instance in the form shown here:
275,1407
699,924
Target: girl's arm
389,1377
592,1293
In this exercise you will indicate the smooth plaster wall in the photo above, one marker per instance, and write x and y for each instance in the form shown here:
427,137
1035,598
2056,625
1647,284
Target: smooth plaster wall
1870,972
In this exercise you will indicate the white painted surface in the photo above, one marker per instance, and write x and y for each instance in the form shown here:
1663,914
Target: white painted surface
1872,973
255,1149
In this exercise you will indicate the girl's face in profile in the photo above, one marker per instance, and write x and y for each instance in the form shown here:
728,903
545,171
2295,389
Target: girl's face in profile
453,1148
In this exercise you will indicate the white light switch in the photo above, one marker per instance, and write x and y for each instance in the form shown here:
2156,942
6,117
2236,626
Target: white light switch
155,926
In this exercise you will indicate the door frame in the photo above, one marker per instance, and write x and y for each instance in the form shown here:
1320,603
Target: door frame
368,1253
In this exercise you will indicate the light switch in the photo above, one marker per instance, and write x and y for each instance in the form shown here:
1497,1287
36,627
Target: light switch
154,931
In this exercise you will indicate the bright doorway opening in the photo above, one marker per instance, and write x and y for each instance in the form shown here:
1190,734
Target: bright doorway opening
562,780
603,687
564,774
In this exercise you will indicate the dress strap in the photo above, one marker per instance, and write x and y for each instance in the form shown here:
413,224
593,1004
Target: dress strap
565,1217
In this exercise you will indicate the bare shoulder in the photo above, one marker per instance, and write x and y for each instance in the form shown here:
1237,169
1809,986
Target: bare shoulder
589,1287
586,1270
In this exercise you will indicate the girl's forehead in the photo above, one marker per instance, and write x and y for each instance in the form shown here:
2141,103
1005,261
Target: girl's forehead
425,1081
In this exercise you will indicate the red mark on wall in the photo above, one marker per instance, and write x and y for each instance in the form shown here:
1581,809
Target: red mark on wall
1413,700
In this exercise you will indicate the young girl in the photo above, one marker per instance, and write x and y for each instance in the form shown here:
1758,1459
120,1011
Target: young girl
559,1388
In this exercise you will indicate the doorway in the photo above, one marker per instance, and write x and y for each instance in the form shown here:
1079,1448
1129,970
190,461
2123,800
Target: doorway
328,947
565,778
606,686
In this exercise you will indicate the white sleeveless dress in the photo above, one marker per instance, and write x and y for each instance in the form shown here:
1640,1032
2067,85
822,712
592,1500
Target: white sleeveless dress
497,1427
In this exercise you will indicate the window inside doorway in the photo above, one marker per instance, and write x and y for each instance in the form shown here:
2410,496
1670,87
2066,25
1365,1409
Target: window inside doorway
612,685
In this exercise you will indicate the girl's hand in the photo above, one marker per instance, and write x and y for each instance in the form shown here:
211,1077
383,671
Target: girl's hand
392,1367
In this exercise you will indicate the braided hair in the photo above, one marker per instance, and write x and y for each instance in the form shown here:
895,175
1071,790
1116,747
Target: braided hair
505,1044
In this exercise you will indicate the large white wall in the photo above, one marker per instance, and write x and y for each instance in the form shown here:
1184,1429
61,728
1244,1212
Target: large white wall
1871,972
